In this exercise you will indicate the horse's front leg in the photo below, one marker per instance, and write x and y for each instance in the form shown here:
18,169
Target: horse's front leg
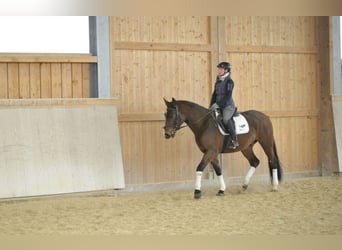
199,171
218,171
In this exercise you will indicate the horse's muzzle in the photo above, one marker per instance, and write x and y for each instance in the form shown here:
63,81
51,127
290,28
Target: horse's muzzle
168,133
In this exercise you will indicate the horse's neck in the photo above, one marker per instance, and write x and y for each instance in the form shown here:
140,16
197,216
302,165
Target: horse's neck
194,116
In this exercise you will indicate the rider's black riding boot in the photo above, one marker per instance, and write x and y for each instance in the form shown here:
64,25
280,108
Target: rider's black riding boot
231,129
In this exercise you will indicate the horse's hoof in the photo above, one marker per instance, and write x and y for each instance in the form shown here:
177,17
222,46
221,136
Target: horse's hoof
244,187
220,193
197,194
274,189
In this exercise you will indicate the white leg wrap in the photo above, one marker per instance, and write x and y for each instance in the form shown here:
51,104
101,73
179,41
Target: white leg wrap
198,180
275,179
222,183
249,175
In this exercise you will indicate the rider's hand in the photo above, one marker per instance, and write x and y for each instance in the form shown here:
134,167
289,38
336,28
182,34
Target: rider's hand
214,106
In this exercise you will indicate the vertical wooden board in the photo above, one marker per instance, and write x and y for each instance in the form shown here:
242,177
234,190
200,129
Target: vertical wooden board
196,30
66,80
250,91
298,143
35,77
306,33
76,74
3,80
312,78
304,82
199,84
149,151
13,80
214,53
46,85
166,167
56,80
271,31
238,25
263,83
132,152
85,80
184,76
242,81
24,80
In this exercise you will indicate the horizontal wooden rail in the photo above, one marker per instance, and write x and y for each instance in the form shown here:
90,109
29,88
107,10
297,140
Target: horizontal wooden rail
47,58
57,102
144,117
162,46
291,113
140,117
270,49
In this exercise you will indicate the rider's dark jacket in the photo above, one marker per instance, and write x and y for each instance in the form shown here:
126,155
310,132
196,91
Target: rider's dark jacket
222,94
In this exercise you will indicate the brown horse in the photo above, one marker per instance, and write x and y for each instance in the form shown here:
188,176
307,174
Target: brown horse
211,142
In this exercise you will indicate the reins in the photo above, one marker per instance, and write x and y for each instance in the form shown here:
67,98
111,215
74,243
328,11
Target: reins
178,127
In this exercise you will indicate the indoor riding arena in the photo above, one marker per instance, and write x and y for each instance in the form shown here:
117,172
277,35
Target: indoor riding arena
82,149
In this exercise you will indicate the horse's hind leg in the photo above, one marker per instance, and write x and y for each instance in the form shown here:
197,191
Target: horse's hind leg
273,161
218,171
253,162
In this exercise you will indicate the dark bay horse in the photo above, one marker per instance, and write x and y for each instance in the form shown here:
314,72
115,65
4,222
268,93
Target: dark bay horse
211,142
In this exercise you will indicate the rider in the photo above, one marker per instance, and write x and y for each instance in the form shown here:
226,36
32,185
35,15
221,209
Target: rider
222,98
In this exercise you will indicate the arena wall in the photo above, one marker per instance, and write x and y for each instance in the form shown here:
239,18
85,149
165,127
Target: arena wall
275,69
280,67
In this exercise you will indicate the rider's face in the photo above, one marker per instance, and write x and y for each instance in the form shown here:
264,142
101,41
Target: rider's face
221,71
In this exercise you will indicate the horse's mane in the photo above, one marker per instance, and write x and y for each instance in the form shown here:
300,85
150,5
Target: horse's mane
193,105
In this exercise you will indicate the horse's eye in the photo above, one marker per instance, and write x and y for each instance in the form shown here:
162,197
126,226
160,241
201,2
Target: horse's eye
168,115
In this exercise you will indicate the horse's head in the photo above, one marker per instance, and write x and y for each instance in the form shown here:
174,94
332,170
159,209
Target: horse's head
173,119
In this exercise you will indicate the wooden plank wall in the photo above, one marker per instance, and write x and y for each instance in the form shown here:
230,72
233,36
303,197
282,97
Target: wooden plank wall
152,58
274,67
25,76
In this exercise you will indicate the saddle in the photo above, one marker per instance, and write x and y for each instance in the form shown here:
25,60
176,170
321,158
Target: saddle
239,121
218,117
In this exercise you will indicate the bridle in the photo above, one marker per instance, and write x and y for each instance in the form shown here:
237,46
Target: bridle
177,122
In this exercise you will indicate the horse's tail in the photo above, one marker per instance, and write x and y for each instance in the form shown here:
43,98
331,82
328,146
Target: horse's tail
280,170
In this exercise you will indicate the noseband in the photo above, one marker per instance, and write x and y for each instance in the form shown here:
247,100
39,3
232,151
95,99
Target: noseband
177,121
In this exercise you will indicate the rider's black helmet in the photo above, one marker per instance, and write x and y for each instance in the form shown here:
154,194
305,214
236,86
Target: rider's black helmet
225,65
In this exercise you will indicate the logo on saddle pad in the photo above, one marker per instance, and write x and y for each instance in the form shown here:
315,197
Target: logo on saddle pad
241,125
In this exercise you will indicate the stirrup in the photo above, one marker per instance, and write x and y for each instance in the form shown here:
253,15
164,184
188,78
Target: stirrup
234,144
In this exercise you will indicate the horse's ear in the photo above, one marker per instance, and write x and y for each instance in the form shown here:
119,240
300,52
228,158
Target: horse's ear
173,100
168,104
